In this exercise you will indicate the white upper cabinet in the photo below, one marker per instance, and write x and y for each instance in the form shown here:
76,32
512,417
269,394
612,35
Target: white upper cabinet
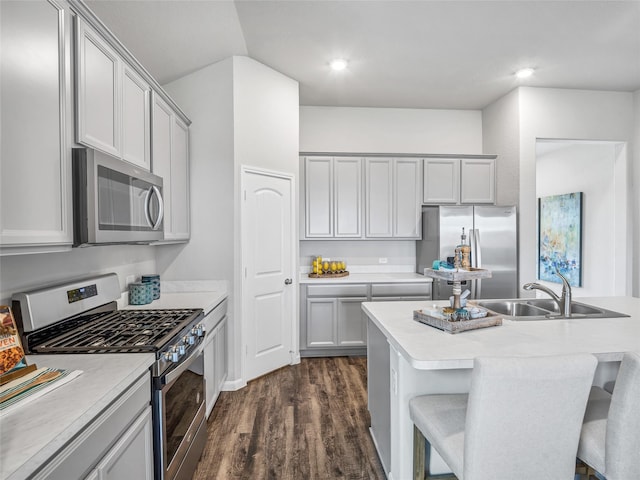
441,180
170,160
318,182
333,197
347,207
393,197
35,172
136,126
112,100
459,181
98,91
407,209
477,181
379,197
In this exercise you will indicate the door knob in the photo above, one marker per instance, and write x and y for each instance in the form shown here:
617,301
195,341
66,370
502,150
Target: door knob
288,281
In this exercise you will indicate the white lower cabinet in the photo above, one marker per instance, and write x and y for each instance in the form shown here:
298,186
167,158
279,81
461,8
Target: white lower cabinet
352,327
117,444
123,460
331,317
215,354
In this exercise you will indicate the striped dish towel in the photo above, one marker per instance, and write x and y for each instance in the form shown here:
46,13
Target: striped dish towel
33,389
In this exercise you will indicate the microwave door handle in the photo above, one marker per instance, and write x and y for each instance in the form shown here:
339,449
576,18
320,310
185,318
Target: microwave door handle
156,225
147,204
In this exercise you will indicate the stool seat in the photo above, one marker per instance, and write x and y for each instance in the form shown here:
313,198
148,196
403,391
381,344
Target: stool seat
443,417
521,419
610,436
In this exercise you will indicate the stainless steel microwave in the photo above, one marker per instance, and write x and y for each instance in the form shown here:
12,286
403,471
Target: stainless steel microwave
114,201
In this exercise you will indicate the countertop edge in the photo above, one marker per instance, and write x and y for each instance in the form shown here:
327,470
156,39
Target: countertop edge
36,461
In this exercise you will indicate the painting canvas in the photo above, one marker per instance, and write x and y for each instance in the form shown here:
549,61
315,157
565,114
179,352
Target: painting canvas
560,237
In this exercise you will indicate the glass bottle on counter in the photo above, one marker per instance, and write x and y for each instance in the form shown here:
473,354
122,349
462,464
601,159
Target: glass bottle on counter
463,252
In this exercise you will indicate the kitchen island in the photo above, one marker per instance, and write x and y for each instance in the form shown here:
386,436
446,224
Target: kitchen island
407,358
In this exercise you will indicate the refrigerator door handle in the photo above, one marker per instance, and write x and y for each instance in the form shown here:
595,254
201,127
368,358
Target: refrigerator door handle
478,262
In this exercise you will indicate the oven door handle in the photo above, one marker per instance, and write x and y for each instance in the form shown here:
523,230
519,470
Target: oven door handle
184,365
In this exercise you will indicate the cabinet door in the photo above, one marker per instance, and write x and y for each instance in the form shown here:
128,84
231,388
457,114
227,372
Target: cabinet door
379,197
35,171
221,356
161,152
347,175
477,181
318,181
98,92
179,195
407,205
321,322
209,360
132,456
352,326
136,144
441,180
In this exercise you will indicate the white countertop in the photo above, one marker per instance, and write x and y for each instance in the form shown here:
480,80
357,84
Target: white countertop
32,434
405,277
428,348
207,301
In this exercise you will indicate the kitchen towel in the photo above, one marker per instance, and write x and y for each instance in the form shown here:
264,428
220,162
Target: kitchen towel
36,391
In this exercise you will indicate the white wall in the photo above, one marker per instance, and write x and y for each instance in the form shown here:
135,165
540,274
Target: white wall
206,97
547,113
384,130
587,167
362,256
243,113
390,130
501,136
19,273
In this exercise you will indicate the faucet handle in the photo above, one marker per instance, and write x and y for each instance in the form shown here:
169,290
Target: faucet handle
565,282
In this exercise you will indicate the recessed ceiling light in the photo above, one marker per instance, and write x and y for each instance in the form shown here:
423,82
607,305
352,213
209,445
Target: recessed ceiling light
338,64
524,72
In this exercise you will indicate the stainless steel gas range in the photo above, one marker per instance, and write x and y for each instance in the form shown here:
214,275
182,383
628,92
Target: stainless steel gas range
81,316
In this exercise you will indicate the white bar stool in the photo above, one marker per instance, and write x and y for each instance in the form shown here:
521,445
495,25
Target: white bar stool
521,419
610,437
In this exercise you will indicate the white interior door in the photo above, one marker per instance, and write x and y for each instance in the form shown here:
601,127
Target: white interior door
268,262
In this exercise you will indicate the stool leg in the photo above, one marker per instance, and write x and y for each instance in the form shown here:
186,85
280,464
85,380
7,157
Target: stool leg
418,454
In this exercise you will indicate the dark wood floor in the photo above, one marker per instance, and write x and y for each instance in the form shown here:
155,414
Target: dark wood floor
307,421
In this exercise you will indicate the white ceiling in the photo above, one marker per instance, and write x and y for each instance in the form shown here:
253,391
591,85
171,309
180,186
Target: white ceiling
413,54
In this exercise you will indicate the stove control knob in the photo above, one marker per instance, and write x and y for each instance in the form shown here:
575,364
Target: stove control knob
182,349
172,355
190,339
198,330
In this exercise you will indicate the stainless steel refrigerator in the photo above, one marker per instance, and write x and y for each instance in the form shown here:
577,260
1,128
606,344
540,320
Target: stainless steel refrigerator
492,233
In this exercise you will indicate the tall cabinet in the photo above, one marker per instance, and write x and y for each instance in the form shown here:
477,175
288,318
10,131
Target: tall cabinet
171,161
35,89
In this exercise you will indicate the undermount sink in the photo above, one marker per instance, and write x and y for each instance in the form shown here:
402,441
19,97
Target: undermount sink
543,309
513,308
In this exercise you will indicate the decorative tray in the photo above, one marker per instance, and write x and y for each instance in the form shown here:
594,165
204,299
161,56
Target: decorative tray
451,326
330,275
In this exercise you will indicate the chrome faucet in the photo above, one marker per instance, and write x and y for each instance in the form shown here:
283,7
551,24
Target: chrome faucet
564,302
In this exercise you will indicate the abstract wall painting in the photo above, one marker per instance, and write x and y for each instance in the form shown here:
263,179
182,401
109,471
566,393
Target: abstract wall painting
560,238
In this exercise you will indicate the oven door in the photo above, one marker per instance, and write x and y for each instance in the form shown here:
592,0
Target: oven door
179,412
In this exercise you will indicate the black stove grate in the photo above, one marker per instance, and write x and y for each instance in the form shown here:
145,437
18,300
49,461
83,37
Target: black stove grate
126,331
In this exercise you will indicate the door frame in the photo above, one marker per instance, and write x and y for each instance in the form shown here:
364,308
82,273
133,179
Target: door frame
241,302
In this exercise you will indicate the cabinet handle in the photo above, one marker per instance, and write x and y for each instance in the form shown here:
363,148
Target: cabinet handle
288,281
